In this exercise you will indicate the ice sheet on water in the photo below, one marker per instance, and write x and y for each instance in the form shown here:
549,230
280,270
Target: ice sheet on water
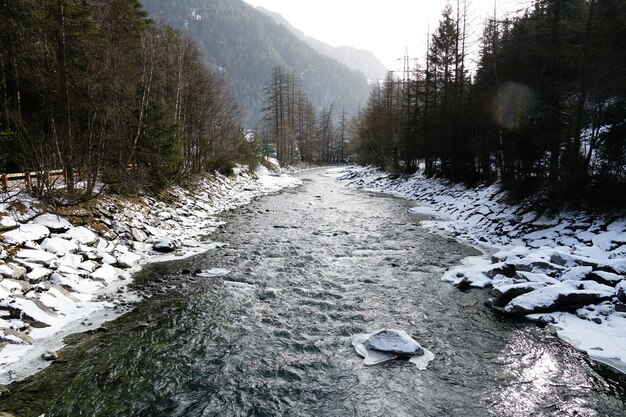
426,211
214,273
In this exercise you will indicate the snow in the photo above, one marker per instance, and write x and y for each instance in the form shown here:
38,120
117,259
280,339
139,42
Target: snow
53,223
27,233
540,263
59,246
75,272
426,211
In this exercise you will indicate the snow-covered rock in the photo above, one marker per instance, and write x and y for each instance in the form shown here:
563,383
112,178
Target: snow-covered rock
393,341
81,235
7,223
165,245
59,246
565,295
389,344
54,223
36,256
27,233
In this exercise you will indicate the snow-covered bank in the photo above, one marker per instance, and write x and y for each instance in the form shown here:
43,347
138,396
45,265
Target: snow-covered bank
567,269
60,274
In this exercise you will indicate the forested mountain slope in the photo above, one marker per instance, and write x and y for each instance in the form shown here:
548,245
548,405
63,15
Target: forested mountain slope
354,58
237,38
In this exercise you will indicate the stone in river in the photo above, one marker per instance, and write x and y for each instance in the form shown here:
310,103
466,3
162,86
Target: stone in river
389,344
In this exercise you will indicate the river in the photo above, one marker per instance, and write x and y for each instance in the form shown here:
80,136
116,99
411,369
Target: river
311,268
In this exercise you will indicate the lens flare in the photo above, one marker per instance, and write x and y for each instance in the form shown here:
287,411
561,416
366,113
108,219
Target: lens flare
512,104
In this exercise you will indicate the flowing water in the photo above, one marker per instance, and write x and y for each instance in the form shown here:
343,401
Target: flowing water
310,269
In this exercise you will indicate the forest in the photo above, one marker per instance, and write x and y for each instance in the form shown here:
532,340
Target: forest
544,111
101,91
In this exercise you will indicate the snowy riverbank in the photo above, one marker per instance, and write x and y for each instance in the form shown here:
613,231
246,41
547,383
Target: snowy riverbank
61,274
567,269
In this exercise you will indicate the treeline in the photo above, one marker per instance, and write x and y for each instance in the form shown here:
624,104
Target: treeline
292,126
545,109
98,89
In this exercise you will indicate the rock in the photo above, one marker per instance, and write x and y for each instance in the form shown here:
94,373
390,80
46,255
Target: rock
106,273
38,274
26,233
563,296
12,271
565,259
88,266
505,293
508,270
82,235
54,223
127,260
165,245
50,355
36,256
7,223
165,215
59,246
138,234
399,344
393,341
14,337
535,266
621,291
606,278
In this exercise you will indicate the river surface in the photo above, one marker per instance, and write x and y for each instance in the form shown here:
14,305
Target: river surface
310,269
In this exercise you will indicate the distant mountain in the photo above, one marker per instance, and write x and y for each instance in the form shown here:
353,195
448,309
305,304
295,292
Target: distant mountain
355,59
237,38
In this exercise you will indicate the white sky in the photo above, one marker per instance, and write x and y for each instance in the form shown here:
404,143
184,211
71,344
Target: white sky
384,27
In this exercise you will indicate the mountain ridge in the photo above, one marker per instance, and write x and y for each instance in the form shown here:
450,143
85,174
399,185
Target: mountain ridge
235,36
356,59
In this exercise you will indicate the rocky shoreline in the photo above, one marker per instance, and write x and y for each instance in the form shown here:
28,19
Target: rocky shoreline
68,271
567,269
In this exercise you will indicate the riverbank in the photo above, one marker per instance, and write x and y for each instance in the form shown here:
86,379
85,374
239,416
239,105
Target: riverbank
567,269
68,271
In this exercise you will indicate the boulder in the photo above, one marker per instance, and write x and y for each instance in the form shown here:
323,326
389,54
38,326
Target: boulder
54,223
36,256
563,296
7,223
59,246
606,278
138,234
165,245
505,293
81,235
27,233
389,344
393,341
12,271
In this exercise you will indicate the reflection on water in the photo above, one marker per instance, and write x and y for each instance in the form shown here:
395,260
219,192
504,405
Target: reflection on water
534,377
273,337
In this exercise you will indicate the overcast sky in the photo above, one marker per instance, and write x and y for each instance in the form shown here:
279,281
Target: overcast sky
384,27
